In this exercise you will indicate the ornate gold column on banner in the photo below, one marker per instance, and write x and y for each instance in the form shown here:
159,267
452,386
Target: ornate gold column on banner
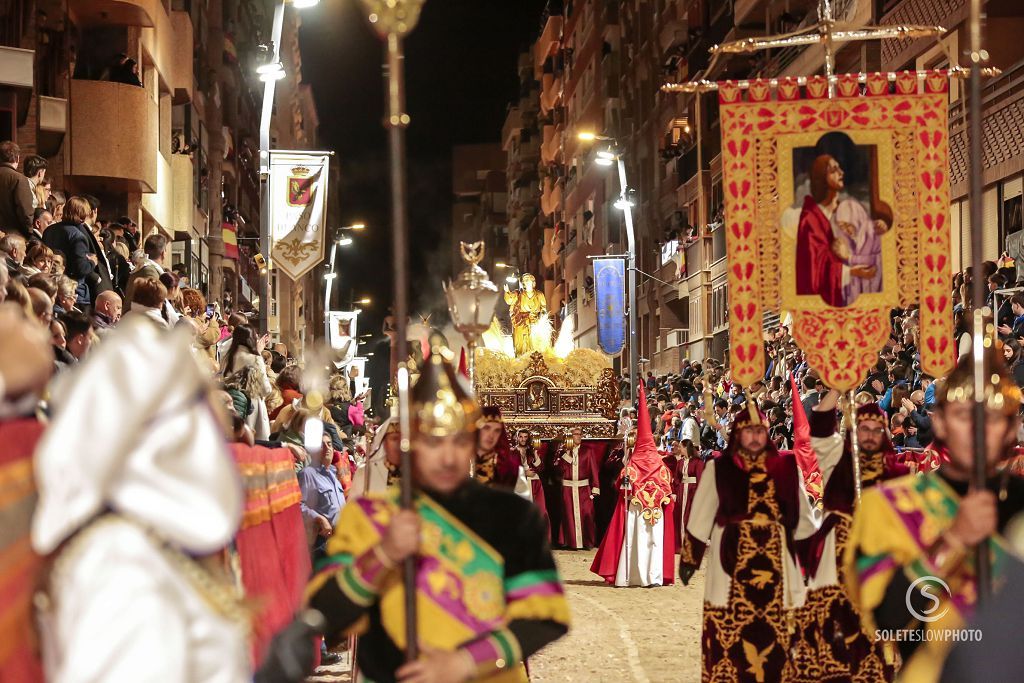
837,211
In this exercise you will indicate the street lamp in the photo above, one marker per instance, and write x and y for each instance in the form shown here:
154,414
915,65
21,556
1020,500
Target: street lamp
271,71
607,157
471,300
365,301
270,79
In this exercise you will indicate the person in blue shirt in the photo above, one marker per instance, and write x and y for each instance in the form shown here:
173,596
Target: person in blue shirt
322,498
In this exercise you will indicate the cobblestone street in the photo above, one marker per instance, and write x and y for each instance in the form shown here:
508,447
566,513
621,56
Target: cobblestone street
639,635
619,635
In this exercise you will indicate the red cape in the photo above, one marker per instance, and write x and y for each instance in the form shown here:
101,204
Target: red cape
606,561
651,478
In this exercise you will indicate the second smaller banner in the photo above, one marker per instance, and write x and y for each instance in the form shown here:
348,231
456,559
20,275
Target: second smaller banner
609,274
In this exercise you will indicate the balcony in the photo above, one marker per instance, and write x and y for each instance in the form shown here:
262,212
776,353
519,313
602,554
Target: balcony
113,137
923,12
16,67
181,57
513,124
16,72
547,44
115,12
673,27
53,124
1002,101
717,244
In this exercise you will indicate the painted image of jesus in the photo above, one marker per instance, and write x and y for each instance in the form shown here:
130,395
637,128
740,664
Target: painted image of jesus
838,237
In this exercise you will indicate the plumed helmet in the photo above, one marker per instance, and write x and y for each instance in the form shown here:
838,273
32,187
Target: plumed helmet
442,400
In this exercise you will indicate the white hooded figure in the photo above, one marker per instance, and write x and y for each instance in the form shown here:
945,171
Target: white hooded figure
373,474
135,481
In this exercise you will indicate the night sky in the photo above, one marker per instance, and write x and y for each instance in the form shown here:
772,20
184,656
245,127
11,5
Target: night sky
461,75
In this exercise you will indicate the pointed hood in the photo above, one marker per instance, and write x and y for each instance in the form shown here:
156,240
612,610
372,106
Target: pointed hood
463,367
806,458
650,480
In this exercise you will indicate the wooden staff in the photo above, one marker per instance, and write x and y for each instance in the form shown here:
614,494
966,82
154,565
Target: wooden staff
983,565
393,20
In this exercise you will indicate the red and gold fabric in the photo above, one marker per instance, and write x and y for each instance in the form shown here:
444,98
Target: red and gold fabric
271,541
19,565
900,134
229,233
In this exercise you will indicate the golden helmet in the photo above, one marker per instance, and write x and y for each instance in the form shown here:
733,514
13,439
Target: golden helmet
442,400
1001,393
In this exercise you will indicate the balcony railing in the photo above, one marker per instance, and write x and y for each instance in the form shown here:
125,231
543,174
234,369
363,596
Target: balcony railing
1002,114
113,136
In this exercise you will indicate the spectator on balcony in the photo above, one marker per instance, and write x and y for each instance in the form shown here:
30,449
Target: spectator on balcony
124,70
34,168
15,192
41,220
155,249
71,238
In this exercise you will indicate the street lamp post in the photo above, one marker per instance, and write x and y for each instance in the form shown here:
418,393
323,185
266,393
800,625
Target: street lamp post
471,301
607,157
627,210
270,73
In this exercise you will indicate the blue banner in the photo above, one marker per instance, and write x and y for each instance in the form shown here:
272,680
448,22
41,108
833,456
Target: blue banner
609,275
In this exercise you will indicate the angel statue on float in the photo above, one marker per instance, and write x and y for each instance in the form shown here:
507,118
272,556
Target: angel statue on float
526,306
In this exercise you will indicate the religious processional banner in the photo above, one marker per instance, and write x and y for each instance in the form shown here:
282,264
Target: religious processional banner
837,211
611,319
298,210
344,329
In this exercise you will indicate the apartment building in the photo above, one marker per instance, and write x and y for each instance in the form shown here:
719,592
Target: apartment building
480,200
173,150
671,143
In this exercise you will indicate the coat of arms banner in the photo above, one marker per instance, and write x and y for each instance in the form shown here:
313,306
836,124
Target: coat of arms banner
837,211
298,210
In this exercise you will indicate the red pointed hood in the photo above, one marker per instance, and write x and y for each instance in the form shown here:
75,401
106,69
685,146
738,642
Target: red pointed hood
806,458
463,367
650,479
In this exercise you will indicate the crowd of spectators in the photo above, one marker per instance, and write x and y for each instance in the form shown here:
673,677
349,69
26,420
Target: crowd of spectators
694,406
75,274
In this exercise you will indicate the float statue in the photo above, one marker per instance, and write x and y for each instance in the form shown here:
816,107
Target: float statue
527,306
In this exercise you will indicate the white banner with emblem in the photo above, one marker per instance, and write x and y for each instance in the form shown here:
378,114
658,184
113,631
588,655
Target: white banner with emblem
298,210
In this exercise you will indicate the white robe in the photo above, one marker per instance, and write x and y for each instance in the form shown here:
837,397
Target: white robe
122,612
704,528
371,476
829,450
642,558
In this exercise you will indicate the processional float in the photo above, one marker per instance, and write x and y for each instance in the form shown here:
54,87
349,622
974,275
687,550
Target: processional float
867,153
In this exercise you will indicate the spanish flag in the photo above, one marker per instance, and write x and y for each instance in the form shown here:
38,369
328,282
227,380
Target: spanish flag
229,233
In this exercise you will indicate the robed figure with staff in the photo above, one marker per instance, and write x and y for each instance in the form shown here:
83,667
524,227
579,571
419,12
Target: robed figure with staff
487,590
